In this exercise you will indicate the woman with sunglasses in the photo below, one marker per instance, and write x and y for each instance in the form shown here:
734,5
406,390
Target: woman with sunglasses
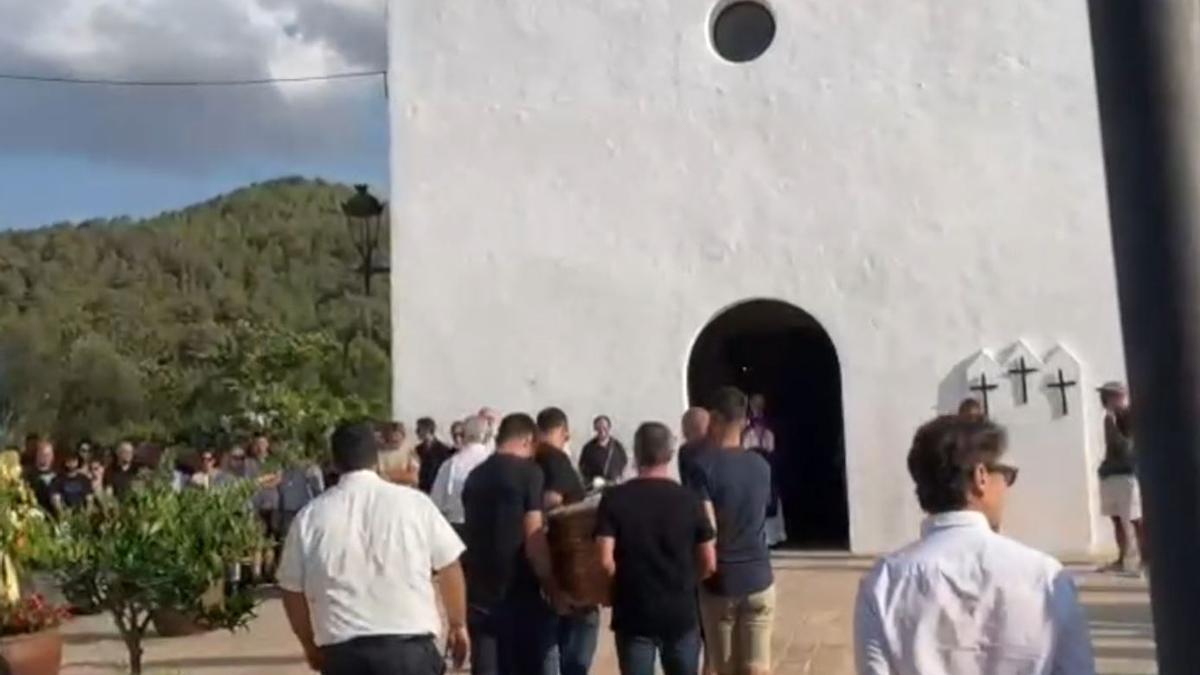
965,599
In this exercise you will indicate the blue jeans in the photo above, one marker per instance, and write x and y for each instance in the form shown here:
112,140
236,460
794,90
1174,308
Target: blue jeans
513,637
679,656
576,639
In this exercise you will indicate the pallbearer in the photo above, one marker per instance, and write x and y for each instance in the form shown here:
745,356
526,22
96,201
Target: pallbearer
656,540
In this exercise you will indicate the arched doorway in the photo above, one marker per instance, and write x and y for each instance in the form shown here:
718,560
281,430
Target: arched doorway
780,351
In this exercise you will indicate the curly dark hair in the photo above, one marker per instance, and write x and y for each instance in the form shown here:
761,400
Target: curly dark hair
944,455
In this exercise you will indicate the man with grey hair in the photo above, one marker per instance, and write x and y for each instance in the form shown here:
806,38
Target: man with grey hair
656,542
452,475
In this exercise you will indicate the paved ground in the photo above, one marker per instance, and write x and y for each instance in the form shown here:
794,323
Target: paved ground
812,632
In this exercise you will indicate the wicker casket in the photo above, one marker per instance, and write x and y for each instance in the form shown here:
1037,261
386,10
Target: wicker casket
573,550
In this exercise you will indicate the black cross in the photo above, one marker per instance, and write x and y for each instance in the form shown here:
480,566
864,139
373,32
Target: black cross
983,388
1062,384
1024,371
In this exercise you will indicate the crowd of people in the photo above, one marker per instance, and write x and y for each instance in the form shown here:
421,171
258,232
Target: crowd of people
683,537
684,547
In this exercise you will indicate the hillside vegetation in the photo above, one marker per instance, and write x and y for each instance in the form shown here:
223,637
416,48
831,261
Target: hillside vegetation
125,327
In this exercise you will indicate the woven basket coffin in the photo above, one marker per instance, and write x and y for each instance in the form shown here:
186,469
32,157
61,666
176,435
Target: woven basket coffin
573,549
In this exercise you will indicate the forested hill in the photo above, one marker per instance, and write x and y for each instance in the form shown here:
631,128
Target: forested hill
108,326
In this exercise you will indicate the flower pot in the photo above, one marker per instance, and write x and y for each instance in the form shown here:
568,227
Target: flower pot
33,653
169,622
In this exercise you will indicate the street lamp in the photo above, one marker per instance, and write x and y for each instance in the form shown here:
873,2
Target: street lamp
364,220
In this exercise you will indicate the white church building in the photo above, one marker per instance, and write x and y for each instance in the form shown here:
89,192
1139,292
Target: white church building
866,211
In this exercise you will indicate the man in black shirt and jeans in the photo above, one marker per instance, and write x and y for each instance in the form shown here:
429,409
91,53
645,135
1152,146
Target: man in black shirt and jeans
656,540
508,560
579,628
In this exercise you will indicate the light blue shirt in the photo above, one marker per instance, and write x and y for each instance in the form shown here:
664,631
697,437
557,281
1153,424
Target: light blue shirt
964,600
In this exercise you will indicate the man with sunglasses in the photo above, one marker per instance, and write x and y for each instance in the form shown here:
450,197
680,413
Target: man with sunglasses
964,599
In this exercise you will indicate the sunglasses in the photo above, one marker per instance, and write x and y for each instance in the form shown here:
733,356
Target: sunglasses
1008,473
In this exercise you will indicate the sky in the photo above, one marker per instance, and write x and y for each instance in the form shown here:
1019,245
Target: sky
71,152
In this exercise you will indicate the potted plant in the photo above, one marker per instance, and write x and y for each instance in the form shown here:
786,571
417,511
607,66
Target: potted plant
162,551
29,639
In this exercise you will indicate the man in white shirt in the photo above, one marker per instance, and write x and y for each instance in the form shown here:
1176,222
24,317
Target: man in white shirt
448,486
357,572
965,600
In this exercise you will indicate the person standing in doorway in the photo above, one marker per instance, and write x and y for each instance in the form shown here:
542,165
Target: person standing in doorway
508,558
964,599
655,540
1120,495
358,571
578,628
602,460
737,604
758,437
431,453
448,486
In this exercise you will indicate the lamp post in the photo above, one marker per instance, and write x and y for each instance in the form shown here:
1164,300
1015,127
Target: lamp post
1147,77
364,220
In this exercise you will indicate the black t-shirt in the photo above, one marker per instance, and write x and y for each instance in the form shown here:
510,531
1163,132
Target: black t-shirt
657,525
560,475
120,480
600,461
690,455
738,483
41,484
73,489
496,497
432,457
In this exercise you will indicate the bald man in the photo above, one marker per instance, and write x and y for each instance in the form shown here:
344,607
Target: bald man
695,440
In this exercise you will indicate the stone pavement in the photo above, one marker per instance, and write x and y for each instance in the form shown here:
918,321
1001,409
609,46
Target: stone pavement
813,630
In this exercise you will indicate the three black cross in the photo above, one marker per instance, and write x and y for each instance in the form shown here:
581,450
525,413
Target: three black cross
1061,383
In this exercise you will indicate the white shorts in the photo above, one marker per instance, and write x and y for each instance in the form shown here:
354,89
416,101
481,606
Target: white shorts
1120,497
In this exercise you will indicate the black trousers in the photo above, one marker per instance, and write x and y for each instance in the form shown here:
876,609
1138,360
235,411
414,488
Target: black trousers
384,655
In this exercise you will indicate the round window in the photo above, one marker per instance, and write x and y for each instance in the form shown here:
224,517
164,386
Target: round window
743,30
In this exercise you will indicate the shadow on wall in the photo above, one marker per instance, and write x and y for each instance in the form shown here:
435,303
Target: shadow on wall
950,391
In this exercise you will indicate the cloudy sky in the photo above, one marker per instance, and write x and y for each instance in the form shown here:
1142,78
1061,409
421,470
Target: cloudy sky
76,151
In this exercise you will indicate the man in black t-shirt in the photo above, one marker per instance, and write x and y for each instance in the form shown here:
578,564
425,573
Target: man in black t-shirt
579,628
603,459
737,604
508,560
657,541
73,487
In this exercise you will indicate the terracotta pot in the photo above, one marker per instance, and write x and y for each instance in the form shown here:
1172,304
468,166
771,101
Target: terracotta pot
174,623
33,654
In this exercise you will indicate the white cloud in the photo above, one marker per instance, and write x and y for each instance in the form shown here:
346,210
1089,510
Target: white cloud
191,129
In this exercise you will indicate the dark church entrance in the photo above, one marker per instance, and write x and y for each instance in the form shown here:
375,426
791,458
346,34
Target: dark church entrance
778,350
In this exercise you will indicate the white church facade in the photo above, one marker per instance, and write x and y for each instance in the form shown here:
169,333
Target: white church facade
866,211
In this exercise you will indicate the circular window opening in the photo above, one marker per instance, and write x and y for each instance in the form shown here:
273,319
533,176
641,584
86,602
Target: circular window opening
743,30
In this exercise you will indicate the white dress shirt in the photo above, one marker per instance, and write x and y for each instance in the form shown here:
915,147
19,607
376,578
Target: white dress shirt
967,601
452,475
363,554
